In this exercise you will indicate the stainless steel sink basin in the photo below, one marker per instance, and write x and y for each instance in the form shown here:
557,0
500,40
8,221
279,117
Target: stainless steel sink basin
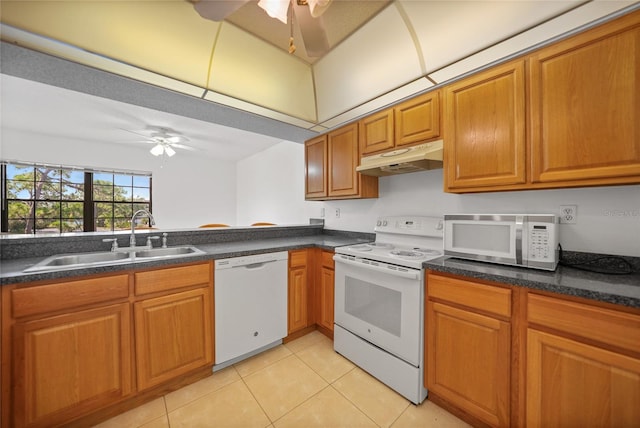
68,261
77,259
167,252
105,258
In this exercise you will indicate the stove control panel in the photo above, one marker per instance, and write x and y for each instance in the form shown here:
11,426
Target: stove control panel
410,225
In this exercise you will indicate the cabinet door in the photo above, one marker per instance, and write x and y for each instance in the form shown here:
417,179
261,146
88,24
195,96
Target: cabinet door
315,154
417,119
573,384
376,132
70,365
585,106
297,291
325,301
174,335
468,361
326,298
343,158
485,129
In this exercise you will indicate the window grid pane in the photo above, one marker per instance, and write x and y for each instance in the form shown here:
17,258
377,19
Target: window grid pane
42,199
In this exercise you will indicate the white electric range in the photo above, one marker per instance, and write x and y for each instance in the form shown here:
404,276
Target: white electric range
379,301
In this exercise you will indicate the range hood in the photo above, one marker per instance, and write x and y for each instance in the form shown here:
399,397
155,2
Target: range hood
410,159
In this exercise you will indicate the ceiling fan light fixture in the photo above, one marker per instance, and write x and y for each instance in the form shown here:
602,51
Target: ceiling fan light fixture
169,151
275,8
157,150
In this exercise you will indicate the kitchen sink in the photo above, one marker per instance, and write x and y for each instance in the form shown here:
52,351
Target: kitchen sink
167,252
105,258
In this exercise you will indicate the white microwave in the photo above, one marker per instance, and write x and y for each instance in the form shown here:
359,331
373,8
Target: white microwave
527,240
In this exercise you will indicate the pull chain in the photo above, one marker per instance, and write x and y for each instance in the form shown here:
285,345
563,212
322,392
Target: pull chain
292,47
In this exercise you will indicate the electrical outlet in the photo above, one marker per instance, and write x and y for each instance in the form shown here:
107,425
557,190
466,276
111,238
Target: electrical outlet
568,214
337,212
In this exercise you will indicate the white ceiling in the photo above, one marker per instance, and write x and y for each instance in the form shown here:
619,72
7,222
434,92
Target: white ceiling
33,107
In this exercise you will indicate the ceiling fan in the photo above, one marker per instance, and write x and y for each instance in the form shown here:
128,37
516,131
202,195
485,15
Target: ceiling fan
164,140
308,13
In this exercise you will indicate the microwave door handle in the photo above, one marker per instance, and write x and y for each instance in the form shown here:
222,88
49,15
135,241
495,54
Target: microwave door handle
519,227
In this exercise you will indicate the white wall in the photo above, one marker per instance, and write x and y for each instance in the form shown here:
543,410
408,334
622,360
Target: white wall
608,217
188,189
271,187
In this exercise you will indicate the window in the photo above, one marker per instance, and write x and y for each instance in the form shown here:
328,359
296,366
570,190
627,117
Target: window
54,199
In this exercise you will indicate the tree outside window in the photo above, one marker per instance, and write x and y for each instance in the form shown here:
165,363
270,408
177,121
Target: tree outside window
44,199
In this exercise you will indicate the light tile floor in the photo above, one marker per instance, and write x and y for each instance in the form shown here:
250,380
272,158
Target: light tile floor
301,384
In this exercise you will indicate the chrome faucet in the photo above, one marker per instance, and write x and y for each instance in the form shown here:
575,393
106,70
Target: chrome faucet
132,239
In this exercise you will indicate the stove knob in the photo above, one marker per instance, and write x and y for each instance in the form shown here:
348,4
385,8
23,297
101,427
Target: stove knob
384,223
379,223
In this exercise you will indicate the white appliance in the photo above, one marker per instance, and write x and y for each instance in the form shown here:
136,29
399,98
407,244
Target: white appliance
526,240
250,305
379,301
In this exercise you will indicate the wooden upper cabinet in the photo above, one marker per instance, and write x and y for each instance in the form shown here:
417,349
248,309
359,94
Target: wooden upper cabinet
411,122
417,119
585,107
485,129
315,154
583,116
376,132
331,161
342,149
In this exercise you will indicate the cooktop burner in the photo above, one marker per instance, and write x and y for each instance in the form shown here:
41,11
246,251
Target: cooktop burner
405,241
408,254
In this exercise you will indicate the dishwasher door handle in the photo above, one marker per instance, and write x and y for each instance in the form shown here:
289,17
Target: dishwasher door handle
252,266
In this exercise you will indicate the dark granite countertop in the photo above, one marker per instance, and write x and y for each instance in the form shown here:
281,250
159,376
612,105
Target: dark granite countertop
11,270
618,289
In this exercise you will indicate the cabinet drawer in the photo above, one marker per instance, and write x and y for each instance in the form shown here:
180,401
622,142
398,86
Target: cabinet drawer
327,259
297,258
154,281
603,325
66,295
486,298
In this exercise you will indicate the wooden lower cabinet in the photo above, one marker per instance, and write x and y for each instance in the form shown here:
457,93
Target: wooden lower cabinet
298,291
325,290
174,335
583,368
510,356
71,365
574,384
68,345
66,349
173,322
468,348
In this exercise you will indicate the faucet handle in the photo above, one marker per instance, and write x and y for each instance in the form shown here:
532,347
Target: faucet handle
114,243
149,238
164,239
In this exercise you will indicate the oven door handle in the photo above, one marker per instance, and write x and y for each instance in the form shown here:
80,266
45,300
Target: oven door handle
379,267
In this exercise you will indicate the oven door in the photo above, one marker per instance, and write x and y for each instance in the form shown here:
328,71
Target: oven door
381,303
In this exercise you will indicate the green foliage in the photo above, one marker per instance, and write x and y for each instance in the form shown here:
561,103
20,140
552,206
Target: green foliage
48,199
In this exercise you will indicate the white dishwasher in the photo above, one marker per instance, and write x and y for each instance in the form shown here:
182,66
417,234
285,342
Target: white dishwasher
250,305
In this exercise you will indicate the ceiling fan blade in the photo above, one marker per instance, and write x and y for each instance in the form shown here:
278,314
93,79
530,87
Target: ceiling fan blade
182,146
174,139
313,31
136,133
217,10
